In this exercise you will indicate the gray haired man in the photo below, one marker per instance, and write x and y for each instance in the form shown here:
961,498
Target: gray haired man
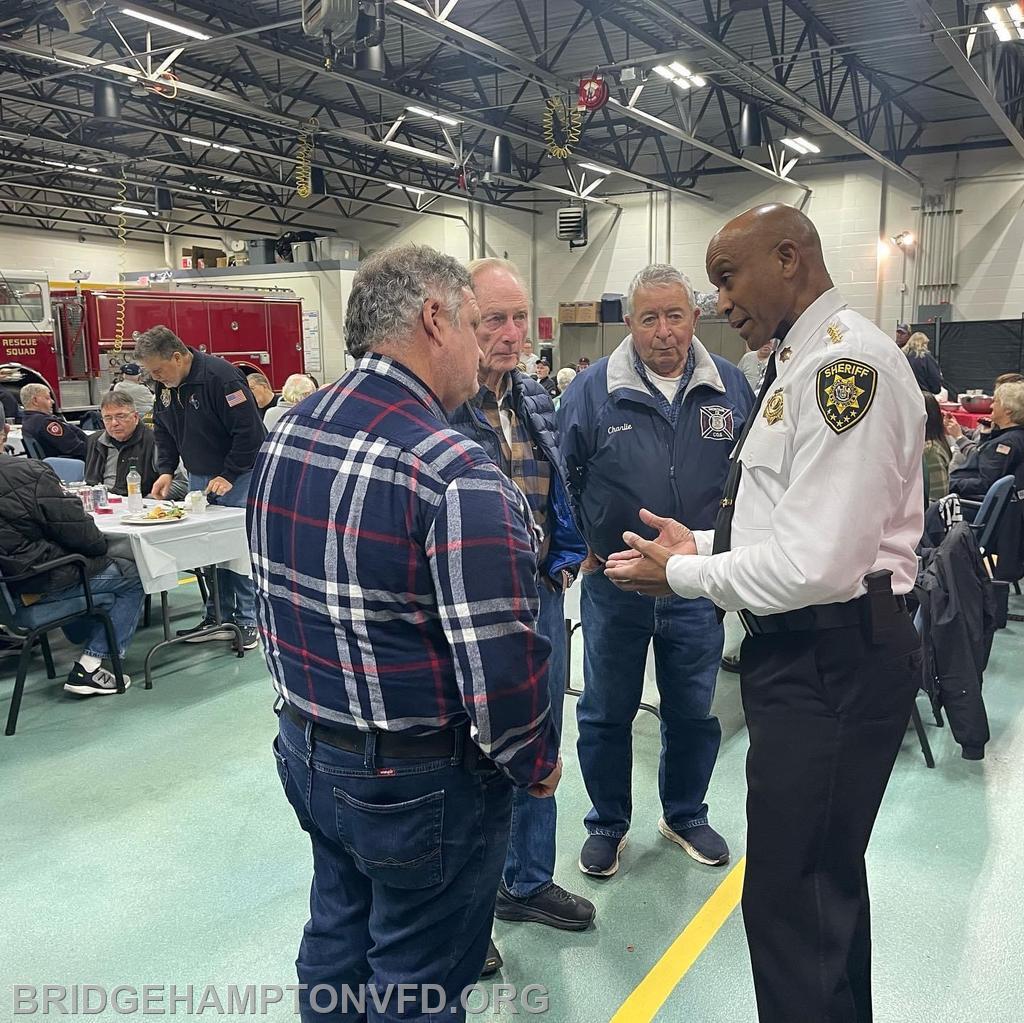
650,426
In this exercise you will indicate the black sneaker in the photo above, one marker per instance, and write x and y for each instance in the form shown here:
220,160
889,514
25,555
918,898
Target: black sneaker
600,855
206,623
553,906
702,842
250,637
98,682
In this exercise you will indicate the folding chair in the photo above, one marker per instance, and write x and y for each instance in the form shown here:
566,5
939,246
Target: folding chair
70,470
30,635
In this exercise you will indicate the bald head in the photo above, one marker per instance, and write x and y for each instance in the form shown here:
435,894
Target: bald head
768,267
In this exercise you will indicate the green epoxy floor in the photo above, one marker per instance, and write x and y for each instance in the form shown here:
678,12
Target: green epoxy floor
146,841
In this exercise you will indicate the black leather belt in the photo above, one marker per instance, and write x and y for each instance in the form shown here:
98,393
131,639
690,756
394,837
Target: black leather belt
387,744
818,617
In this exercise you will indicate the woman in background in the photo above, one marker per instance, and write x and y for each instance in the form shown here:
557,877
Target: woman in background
922,362
937,451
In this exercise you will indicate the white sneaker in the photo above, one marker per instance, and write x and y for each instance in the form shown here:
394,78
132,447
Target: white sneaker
99,682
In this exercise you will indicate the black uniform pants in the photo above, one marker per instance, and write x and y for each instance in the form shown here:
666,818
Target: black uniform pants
826,713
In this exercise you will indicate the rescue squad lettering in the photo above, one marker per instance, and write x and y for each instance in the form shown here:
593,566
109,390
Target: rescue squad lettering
17,347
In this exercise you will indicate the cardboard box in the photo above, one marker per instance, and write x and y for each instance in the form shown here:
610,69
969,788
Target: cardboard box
588,312
222,261
566,312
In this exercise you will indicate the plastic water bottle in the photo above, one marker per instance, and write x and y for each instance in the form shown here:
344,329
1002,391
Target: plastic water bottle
134,504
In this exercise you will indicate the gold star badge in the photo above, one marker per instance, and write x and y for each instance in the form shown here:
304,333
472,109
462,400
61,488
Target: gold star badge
786,354
774,407
835,334
845,392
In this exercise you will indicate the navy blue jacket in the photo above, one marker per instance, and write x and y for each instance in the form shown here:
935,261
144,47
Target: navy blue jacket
622,453
533,406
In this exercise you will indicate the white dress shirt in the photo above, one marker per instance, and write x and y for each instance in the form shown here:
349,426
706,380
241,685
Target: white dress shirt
820,506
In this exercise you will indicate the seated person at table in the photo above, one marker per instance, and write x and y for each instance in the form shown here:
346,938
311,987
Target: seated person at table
39,523
131,384
124,441
297,387
937,450
56,438
262,392
999,454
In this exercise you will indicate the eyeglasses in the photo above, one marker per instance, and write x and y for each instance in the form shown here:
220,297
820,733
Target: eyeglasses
121,417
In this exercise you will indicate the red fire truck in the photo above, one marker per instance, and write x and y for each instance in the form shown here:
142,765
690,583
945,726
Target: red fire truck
76,337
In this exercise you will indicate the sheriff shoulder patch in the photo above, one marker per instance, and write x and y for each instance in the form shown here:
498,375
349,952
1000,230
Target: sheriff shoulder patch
235,398
845,391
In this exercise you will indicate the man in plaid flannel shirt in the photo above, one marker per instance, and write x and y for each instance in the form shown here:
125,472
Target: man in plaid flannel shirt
395,574
513,419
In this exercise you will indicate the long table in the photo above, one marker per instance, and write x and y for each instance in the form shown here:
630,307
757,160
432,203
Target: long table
164,550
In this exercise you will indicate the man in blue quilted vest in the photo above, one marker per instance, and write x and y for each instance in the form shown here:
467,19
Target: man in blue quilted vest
512,417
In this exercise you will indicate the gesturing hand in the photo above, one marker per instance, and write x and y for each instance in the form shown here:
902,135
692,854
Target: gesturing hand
642,568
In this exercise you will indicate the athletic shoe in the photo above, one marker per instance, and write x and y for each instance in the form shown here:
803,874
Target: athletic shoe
600,855
98,682
553,906
701,842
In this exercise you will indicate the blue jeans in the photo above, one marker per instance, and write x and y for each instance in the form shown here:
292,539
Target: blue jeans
617,629
407,856
117,590
237,596
531,851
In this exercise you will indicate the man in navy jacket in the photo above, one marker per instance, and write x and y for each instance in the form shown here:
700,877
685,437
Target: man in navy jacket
650,426
512,417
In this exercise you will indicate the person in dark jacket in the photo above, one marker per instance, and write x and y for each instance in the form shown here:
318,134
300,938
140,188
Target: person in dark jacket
205,415
1001,453
55,437
923,363
957,625
123,442
40,523
545,379
650,426
513,420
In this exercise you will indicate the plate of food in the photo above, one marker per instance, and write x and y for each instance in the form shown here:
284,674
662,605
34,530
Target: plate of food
155,515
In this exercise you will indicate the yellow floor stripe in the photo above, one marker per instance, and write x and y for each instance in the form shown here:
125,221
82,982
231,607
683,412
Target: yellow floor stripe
653,991
187,580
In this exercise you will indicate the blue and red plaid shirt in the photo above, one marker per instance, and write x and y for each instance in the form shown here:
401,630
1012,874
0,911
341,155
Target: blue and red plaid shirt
395,572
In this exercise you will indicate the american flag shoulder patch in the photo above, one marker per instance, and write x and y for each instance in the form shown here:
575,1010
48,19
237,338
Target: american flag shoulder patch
235,398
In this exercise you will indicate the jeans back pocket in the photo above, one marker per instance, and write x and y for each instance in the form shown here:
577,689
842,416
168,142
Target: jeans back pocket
397,844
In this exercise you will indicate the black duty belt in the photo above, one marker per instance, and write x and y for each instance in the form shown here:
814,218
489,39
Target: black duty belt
825,616
386,744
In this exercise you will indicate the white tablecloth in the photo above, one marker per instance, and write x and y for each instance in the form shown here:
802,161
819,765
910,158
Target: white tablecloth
14,440
161,552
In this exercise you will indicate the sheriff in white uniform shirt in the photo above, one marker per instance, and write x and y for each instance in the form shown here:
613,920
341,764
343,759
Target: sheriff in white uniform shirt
814,545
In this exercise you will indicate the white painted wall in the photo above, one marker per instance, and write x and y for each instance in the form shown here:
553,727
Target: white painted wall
853,205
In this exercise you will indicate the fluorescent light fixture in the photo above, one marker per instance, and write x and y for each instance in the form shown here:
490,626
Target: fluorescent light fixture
997,16
594,167
423,112
407,188
152,19
209,145
801,146
137,210
425,154
680,75
1016,13
71,166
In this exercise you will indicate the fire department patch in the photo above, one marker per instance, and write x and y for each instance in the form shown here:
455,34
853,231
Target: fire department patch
716,422
845,391
55,429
